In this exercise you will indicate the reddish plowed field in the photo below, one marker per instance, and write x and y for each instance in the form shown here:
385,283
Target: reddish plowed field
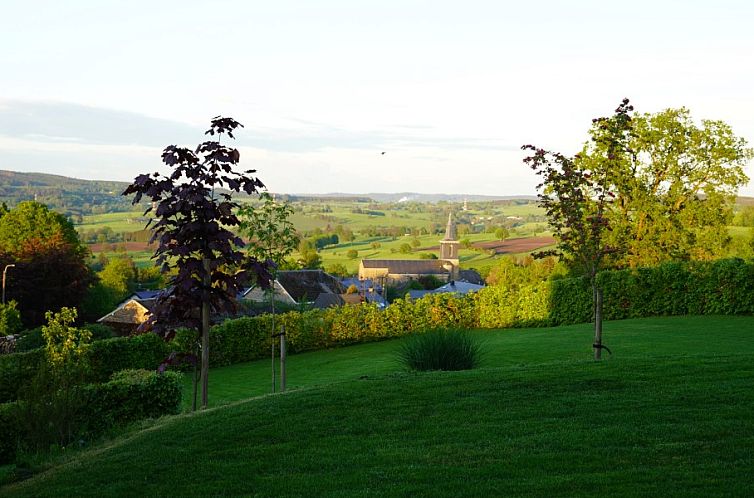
130,246
512,246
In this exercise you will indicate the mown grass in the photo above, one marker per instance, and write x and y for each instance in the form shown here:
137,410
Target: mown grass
655,419
659,338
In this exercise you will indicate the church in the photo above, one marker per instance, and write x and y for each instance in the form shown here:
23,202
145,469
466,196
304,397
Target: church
395,271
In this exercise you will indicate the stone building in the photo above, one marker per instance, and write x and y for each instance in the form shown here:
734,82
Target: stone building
394,271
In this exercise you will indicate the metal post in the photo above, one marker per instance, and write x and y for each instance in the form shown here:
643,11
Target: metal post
5,270
282,358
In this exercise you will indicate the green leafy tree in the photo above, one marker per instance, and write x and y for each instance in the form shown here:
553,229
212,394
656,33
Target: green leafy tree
674,195
338,269
52,405
66,346
119,275
502,233
51,264
269,230
405,248
352,253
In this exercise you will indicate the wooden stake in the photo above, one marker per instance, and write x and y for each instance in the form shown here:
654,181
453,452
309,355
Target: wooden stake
282,358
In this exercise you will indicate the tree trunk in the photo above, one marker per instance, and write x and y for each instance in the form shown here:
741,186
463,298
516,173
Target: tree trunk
205,333
597,321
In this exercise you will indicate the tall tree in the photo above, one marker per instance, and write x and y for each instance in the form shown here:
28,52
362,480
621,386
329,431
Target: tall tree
51,270
193,222
675,192
576,193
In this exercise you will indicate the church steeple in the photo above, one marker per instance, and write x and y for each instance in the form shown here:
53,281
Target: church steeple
449,247
450,230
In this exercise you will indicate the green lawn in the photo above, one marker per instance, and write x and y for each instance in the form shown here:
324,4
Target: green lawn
669,413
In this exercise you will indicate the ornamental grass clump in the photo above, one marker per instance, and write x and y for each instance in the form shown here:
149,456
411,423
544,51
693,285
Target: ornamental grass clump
440,350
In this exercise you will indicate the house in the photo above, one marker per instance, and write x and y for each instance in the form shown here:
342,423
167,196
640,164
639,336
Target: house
396,271
297,287
131,313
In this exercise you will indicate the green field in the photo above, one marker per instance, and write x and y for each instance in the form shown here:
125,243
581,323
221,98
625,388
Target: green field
310,216
669,413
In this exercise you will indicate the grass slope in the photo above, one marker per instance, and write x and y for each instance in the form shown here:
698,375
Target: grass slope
670,413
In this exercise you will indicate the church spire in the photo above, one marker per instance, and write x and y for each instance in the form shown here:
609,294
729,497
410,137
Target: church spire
450,230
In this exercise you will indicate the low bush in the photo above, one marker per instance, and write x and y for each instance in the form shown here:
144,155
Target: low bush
61,416
447,350
129,396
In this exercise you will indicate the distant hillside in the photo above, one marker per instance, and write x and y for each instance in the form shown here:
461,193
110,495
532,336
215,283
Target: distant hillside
416,197
71,196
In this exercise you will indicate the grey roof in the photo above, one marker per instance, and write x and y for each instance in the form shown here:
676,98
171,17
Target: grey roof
418,294
408,266
471,276
146,294
306,285
450,230
458,288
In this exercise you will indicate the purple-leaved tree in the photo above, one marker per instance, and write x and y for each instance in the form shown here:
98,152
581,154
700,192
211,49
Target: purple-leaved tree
191,222
576,193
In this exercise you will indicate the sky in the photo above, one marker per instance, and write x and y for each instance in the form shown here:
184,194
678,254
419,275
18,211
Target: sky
448,90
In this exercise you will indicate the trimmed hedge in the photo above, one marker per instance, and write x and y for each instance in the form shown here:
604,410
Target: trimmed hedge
8,432
15,370
722,287
106,357
132,395
129,396
687,288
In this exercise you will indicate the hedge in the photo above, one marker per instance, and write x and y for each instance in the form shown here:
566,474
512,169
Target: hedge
129,396
686,288
132,395
106,357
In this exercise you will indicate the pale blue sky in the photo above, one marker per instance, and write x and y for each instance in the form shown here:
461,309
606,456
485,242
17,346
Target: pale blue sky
451,90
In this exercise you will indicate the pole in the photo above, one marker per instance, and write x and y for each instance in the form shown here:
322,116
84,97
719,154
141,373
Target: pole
282,358
5,270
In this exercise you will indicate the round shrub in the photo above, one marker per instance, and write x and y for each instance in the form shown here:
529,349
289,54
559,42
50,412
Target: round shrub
442,349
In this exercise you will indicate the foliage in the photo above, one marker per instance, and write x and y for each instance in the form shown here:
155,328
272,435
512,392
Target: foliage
674,199
131,395
338,269
66,346
145,351
405,248
447,350
352,254
9,436
32,220
10,318
48,416
17,369
193,224
502,233
105,358
269,229
51,270
577,195
52,408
